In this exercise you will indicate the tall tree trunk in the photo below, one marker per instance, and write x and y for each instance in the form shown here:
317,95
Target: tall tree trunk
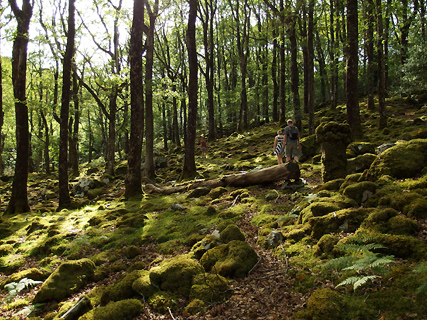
19,199
149,130
1,104
74,130
294,73
310,67
381,75
189,169
133,186
353,116
274,77
333,54
370,77
64,194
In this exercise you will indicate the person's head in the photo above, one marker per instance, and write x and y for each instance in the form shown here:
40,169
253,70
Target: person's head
279,132
289,122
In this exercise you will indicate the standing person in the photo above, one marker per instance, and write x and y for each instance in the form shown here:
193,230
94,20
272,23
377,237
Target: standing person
279,146
203,147
292,145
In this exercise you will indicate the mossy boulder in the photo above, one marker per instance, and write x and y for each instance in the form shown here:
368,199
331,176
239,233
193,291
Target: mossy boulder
360,148
217,192
417,208
323,304
389,221
122,289
32,273
234,259
332,185
68,278
120,310
404,160
230,233
209,288
204,245
323,206
360,163
143,284
196,306
162,301
176,274
199,192
325,245
360,191
401,246
334,138
345,220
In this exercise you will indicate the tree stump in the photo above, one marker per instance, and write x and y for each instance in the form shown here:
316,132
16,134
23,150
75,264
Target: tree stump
334,138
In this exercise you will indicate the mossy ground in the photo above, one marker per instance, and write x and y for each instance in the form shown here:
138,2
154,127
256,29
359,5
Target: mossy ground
120,237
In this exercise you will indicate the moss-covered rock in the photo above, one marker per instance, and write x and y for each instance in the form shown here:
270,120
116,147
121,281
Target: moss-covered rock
309,147
389,221
234,259
323,304
120,310
231,232
70,277
143,284
332,185
209,288
162,301
204,245
360,163
360,191
196,306
345,220
176,274
360,148
32,273
404,160
132,251
217,192
199,192
417,208
325,245
122,289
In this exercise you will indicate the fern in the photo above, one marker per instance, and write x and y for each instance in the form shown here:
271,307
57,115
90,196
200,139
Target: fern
356,281
14,288
421,269
361,259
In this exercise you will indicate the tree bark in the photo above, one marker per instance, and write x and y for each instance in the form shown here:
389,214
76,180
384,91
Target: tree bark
133,186
149,128
279,172
1,105
64,194
380,69
370,76
353,116
18,202
189,169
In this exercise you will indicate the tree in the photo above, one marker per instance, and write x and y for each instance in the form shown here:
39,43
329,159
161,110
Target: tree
189,169
353,116
133,186
64,194
149,130
1,98
19,199
380,69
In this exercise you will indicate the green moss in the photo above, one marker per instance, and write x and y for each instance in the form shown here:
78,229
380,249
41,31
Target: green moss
417,208
176,274
209,288
162,301
360,191
325,245
70,277
143,285
332,185
32,273
234,259
398,201
263,219
196,306
208,242
120,310
122,289
390,162
323,304
230,233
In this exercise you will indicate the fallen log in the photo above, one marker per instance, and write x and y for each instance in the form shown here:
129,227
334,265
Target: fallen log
279,172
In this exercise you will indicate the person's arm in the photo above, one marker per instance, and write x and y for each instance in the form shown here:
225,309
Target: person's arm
275,143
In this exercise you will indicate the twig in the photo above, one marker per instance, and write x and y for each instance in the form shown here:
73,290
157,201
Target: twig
259,260
235,200
170,312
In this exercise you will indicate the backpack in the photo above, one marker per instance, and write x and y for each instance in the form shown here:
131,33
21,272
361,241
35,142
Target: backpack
293,133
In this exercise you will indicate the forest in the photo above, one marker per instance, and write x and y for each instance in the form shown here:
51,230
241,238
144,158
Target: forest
103,107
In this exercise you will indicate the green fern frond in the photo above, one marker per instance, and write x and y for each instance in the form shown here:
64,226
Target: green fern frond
339,263
422,288
356,282
14,288
381,262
